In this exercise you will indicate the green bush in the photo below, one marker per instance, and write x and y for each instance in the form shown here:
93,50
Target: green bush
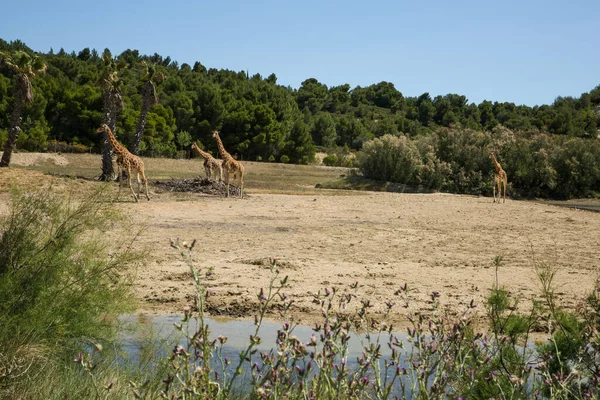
340,156
61,280
435,174
457,160
467,153
577,162
330,160
391,158
55,146
529,164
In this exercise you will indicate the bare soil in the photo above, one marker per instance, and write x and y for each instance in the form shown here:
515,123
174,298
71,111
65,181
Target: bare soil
326,238
432,242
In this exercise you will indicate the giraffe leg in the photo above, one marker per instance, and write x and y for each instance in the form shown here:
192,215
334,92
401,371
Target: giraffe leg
226,173
129,181
139,184
120,180
207,170
499,191
241,185
145,184
504,193
220,173
494,188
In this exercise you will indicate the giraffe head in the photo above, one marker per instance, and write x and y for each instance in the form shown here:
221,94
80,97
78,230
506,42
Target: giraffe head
492,155
194,146
215,134
102,128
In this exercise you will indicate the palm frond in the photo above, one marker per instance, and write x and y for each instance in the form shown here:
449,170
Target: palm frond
22,62
38,64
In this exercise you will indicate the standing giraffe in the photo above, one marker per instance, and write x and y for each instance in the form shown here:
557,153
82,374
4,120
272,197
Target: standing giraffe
230,165
127,162
210,163
499,179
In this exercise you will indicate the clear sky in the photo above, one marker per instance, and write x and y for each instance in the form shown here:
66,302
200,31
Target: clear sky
527,51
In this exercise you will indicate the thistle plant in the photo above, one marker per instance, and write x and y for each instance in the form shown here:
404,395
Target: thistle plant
442,355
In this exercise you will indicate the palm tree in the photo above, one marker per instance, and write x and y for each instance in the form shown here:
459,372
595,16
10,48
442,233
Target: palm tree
26,66
149,99
113,105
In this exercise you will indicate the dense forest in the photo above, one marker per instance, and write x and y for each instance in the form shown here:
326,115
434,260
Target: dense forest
259,119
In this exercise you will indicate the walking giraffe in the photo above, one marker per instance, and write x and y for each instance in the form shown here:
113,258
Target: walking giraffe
230,165
126,162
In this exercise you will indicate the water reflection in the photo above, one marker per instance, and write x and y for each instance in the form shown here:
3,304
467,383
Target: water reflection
238,333
161,329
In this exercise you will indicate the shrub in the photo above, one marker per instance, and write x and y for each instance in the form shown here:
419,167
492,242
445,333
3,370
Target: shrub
57,281
330,160
391,158
529,165
577,163
339,157
466,151
55,146
435,174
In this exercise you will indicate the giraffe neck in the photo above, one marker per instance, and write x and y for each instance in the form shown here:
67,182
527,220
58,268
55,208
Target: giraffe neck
119,149
222,150
496,164
204,154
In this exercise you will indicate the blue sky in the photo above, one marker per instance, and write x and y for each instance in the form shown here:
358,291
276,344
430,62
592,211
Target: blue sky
527,52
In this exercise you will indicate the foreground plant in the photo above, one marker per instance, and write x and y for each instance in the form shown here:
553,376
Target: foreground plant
62,284
442,356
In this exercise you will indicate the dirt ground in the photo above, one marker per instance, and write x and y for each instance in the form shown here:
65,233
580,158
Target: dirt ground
431,242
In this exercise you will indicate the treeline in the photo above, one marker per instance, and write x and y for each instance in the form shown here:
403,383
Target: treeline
259,119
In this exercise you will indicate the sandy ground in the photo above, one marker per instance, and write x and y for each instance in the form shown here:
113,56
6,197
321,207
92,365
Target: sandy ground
432,242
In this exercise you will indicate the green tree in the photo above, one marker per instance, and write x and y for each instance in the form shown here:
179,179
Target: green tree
488,119
338,99
323,131
300,148
183,139
385,95
426,109
351,132
26,67
312,94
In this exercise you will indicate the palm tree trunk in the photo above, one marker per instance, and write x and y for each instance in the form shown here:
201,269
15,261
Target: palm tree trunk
147,94
108,170
11,141
139,132
110,119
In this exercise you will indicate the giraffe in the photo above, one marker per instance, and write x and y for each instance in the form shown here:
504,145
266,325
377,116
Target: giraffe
499,179
230,165
210,163
126,162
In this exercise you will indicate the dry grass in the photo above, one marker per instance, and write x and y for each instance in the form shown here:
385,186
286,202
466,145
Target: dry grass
259,177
